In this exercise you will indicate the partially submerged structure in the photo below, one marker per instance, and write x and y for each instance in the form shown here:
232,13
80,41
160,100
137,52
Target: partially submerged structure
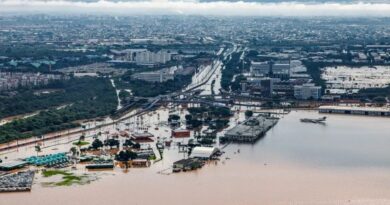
21,181
355,110
8,166
187,164
204,152
48,160
251,129
101,164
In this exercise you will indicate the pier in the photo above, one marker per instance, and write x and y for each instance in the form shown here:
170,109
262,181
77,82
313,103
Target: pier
251,129
354,110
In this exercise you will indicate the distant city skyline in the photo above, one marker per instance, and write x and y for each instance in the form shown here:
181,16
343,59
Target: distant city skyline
200,7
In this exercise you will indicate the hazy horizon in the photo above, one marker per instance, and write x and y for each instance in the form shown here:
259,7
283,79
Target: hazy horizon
200,7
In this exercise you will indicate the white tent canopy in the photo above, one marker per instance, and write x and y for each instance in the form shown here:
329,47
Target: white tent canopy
203,152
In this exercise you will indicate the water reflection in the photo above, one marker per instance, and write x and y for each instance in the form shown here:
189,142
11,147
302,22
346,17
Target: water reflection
345,161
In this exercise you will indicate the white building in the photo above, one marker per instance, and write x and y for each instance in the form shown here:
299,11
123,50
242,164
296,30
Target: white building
307,91
148,57
159,75
204,152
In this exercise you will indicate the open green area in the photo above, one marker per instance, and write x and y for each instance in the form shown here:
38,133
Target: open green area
67,178
90,98
49,173
143,88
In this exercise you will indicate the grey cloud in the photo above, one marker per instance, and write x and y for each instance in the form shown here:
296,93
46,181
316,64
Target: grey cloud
193,7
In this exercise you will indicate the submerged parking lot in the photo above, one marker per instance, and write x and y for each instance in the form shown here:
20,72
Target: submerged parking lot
345,79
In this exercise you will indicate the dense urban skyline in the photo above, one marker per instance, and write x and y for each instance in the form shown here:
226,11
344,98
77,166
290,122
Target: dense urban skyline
173,102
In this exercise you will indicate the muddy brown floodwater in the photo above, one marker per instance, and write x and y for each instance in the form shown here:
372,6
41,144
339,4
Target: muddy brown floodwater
346,161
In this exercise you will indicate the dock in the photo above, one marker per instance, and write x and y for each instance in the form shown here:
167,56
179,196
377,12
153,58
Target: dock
356,110
252,129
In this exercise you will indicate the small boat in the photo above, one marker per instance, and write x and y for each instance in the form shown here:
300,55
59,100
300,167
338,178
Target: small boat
318,120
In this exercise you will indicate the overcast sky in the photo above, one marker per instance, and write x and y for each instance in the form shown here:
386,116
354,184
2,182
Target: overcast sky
204,7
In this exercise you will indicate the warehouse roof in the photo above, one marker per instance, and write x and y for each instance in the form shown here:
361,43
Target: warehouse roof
203,152
12,165
357,108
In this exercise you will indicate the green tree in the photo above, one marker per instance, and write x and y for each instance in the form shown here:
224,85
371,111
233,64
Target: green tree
124,156
38,149
74,151
96,144
248,113
112,143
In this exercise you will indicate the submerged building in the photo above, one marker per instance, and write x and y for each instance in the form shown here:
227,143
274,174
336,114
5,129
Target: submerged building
187,164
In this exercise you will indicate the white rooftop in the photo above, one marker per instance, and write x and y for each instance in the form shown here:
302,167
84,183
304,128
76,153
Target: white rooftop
203,152
374,109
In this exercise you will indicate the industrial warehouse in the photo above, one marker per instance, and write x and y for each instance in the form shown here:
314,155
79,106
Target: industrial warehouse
370,111
251,129
197,159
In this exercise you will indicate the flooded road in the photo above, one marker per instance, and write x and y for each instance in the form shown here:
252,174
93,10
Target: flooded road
345,161
203,78
119,106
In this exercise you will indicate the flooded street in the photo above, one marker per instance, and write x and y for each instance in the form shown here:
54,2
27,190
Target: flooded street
205,76
117,94
345,161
